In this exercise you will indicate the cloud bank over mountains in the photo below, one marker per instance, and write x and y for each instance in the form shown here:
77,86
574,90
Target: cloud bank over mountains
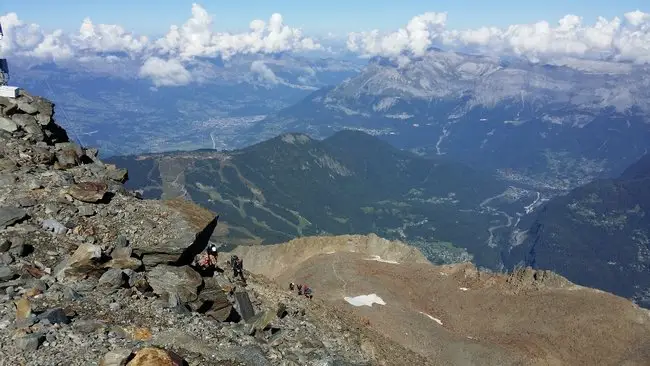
626,39
169,60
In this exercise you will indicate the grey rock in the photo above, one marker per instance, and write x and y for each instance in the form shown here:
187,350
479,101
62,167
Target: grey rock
86,211
55,316
26,106
70,294
6,258
86,326
43,120
29,124
54,226
7,179
8,125
29,342
252,355
116,357
261,320
121,241
45,108
121,252
124,263
39,285
27,202
183,281
67,157
10,216
113,278
6,274
82,261
138,280
23,120
4,245
118,175
19,249
42,156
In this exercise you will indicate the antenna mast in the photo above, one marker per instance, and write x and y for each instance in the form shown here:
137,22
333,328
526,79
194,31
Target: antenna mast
4,67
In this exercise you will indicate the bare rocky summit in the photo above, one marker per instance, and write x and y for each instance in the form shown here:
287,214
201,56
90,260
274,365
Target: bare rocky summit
91,274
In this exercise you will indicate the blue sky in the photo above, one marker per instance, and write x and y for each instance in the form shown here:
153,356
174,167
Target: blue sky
314,17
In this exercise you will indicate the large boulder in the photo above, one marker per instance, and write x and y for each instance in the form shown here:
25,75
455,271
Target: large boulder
90,192
182,282
8,125
189,235
68,154
213,301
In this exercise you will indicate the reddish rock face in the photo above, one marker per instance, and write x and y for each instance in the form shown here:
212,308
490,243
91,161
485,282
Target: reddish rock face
152,356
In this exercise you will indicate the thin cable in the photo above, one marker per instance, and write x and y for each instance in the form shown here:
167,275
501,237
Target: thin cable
65,115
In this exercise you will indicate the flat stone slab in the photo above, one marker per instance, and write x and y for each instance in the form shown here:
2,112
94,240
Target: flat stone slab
10,216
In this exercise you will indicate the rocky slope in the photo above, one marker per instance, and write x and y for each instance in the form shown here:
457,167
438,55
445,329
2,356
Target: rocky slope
90,274
457,315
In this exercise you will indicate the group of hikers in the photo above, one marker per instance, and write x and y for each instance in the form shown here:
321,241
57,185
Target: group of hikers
207,263
303,289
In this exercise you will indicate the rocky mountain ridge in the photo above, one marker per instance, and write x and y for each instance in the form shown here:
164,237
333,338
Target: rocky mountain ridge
91,274
566,124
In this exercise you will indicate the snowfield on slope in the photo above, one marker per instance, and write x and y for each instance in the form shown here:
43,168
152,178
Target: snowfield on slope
364,300
379,259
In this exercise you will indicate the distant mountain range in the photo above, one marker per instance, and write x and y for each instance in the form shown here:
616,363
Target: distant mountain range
104,102
553,127
351,182
598,235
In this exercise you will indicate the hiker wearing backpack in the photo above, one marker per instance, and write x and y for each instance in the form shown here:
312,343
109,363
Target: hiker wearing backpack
237,267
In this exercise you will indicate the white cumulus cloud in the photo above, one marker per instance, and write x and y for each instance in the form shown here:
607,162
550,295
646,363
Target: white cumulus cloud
174,51
165,72
626,39
264,72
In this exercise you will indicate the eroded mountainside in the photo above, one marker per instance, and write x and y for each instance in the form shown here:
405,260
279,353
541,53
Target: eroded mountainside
351,183
598,235
455,314
90,274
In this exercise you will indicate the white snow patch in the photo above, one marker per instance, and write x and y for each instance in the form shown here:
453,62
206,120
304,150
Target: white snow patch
332,252
463,288
379,259
364,300
432,318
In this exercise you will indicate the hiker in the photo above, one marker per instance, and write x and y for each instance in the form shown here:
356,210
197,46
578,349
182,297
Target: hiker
207,262
237,267
300,290
307,291
291,286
